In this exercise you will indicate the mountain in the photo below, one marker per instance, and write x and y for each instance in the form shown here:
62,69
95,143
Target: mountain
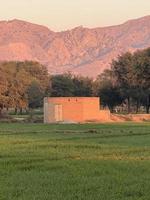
80,50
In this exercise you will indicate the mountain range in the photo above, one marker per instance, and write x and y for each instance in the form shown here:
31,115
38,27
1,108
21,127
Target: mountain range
84,51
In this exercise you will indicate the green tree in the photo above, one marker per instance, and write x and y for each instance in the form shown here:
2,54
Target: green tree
35,95
122,70
107,90
83,86
141,76
62,85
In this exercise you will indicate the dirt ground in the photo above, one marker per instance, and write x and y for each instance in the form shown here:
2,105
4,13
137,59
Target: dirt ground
130,117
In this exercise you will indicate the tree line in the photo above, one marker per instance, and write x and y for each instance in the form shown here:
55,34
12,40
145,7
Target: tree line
127,82
22,83
125,85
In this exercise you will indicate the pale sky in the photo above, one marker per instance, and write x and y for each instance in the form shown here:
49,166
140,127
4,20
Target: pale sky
66,14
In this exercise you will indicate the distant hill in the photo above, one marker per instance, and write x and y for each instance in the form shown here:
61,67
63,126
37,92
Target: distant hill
80,50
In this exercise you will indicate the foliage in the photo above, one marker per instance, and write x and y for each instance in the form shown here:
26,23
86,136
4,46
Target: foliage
128,81
65,85
83,86
62,85
23,85
35,95
107,90
15,80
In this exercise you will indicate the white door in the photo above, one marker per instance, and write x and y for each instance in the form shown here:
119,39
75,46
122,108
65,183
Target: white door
58,113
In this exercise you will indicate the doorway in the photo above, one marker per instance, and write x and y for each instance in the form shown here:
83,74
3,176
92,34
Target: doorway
58,113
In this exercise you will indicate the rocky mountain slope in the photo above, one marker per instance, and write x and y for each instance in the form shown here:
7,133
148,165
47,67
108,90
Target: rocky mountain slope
80,50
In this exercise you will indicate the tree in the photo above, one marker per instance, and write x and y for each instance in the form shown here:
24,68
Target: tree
142,76
38,72
35,95
15,79
83,86
132,73
3,89
107,90
62,85
122,70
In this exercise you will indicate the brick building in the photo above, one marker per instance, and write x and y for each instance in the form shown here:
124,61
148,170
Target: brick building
73,109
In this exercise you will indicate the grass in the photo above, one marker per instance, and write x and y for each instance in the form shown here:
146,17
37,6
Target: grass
75,162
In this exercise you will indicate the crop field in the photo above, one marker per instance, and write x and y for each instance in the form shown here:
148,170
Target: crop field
75,162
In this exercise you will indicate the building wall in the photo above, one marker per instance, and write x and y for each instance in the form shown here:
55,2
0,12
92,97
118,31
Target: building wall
49,112
91,109
75,109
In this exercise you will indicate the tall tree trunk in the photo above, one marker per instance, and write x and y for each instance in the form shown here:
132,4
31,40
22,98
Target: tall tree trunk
15,111
26,110
111,108
148,105
147,109
137,106
20,111
129,104
0,112
1,109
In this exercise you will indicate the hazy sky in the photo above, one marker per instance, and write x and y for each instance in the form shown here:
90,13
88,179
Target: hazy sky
66,14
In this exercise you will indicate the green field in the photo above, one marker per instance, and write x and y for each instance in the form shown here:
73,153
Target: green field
75,162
